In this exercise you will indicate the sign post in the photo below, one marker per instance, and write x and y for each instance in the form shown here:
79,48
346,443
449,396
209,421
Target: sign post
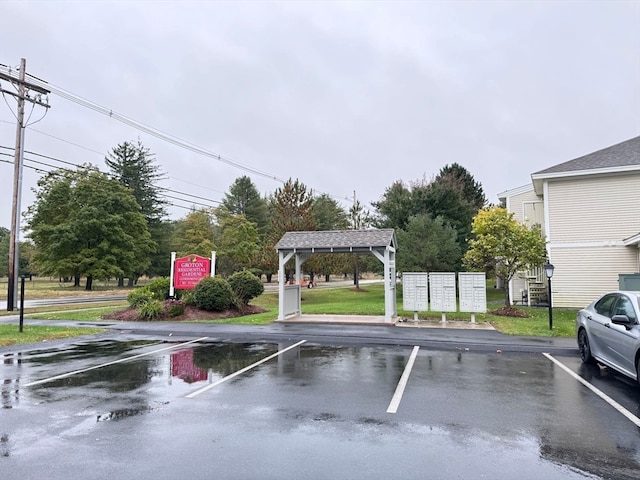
172,290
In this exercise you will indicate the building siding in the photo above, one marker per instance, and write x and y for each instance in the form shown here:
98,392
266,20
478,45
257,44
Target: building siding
517,204
527,208
595,209
591,205
583,274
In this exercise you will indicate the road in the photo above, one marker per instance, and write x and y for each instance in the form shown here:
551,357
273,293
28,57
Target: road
169,401
72,300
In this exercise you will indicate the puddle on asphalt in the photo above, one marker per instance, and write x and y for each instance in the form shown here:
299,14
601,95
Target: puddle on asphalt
79,351
179,370
4,445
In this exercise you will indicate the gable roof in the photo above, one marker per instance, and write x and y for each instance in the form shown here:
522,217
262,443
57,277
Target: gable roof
515,191
337,241
622,157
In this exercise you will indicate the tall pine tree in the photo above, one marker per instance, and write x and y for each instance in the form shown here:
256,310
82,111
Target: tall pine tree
134,166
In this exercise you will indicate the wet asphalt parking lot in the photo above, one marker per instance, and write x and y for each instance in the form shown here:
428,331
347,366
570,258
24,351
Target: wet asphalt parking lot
130,406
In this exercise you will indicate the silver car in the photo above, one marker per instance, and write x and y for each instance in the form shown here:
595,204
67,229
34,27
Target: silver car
608,332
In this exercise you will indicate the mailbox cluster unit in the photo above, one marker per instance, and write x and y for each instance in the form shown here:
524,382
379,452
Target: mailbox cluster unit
421,290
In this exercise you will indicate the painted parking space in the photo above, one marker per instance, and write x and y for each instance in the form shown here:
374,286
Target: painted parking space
274,410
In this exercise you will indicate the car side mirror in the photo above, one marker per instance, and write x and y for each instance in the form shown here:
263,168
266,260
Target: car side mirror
621,320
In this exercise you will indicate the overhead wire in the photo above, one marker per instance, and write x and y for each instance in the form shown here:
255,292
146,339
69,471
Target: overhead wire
151,130
148,129
163,189
103,155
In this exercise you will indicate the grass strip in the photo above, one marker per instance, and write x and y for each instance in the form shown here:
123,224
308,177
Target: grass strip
10,334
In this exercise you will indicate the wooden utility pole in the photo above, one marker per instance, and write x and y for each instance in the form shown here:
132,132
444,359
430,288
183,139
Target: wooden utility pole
22,95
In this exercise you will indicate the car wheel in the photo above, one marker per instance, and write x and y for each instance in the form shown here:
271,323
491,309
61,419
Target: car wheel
638,370
585,349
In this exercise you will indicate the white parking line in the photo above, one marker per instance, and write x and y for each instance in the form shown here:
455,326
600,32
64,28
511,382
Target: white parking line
241,371
75,372
397,396
635,420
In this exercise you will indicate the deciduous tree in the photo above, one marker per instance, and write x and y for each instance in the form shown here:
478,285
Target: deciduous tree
238,244
502,244
194,234
85,224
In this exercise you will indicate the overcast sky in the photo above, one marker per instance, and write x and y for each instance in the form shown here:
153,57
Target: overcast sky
344,96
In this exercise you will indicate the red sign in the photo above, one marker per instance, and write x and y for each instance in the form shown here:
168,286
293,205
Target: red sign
189,270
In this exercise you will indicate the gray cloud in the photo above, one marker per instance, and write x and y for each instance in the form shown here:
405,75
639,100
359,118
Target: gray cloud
342,95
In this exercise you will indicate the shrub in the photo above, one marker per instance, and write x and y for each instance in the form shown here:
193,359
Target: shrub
245,286
173,308
188,297
150,310
213,294
139,296
159,287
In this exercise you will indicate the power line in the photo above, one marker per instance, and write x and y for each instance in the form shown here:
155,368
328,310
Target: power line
68,170
145,128
155,132
103,155
81,166
66,141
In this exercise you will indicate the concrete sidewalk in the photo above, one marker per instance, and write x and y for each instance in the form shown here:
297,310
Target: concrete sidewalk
380,321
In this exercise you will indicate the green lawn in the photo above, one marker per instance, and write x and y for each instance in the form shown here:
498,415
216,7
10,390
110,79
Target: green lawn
369,300
38,288
10,334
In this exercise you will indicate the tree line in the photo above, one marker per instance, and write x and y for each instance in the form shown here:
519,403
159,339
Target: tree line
88,224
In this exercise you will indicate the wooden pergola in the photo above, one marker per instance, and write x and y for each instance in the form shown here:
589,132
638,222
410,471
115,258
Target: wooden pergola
301,245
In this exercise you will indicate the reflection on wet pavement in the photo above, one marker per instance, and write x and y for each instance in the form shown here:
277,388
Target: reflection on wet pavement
317,406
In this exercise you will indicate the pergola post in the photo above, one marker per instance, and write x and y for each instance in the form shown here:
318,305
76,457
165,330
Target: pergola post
388,260
282,260
381,243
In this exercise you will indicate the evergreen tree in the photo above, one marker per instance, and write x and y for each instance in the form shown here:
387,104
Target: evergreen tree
328,214
428,245
395,207
291,210
243,198
133,165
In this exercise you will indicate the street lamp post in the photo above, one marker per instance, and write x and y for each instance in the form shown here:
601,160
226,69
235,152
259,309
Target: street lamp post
548,270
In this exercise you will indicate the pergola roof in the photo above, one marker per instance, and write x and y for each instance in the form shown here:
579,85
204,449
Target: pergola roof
337,241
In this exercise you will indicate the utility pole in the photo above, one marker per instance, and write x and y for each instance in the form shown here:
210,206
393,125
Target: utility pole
23,94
